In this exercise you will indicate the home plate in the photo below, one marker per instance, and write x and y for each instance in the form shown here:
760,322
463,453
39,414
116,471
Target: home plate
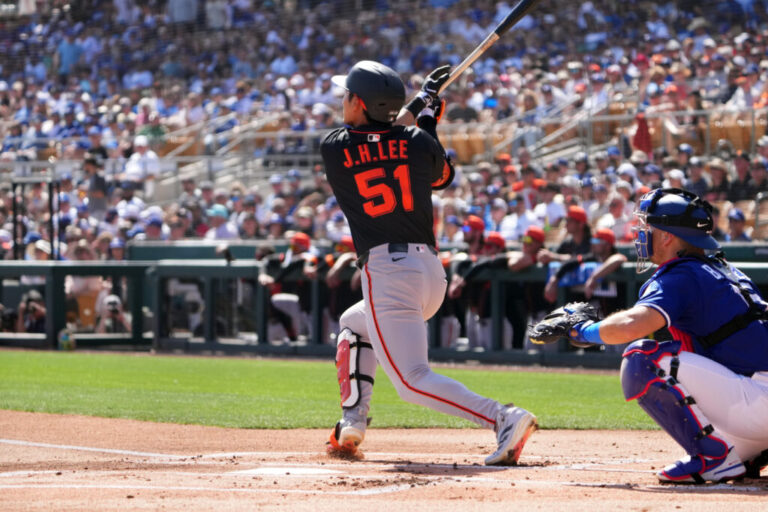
291,471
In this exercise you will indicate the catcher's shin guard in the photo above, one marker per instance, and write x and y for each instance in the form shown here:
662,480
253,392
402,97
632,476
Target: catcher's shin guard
667,401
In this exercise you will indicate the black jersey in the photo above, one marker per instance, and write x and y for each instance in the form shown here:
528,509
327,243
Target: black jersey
382,177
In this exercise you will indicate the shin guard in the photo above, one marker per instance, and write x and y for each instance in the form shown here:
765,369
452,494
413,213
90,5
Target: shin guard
666,400
349,352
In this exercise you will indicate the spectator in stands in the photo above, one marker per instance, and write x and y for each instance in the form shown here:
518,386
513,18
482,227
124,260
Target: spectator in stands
143,166
154,229
697,181
451,232
718,172
221,228
276,227
550,210
739,189
249,227
96,185
37,249
758,181
577,240
736,227
717,232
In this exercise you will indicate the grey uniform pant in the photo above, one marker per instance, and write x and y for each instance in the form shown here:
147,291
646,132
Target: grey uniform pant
401,290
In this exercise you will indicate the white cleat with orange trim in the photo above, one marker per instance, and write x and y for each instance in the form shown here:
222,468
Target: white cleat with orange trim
513,428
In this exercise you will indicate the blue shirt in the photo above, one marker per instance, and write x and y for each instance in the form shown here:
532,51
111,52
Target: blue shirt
696,299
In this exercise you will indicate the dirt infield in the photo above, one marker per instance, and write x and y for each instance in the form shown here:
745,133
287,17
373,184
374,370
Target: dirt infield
52,462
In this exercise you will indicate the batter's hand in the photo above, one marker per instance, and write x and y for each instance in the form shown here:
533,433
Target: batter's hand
434,82
435,111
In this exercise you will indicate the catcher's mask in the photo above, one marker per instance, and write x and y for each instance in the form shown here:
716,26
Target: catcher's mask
676,211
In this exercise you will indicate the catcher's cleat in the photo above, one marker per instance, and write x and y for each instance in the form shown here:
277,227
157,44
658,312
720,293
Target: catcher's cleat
513,428
756,465
700,469
346,438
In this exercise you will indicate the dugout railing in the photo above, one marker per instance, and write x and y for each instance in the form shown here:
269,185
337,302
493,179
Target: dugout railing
146,290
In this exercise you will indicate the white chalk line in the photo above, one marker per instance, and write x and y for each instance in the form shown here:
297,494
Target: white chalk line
260,490
91,449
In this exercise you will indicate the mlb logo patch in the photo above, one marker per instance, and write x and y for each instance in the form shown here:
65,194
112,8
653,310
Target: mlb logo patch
374,137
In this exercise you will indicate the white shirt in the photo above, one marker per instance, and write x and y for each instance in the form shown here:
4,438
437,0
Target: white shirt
549,214
227,231
139,166
514,226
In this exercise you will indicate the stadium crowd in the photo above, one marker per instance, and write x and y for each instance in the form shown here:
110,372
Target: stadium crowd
96,81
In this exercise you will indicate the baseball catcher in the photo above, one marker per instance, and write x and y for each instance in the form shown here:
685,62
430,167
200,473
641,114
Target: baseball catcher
708,387
569,321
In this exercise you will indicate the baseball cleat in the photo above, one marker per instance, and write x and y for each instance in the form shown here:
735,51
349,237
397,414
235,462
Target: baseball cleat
513,428
345,439
699,469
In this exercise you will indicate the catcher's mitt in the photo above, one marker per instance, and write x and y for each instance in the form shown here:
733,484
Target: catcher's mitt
560,322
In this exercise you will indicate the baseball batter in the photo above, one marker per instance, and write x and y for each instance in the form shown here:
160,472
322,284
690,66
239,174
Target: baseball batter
383,174
708,388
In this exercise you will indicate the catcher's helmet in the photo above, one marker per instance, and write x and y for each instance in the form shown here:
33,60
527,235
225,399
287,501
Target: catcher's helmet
378,86
677,211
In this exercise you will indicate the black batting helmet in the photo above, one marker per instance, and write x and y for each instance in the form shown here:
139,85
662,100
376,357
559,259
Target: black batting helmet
379,87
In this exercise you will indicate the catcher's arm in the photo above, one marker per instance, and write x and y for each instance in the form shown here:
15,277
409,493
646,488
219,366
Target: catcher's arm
631,324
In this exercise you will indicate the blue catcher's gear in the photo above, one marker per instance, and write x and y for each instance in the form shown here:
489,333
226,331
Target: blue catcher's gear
676,211
667,401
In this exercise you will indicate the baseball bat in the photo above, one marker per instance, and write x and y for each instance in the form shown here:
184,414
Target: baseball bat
515,15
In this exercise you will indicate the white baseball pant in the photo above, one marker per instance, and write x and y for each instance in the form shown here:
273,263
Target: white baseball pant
401,291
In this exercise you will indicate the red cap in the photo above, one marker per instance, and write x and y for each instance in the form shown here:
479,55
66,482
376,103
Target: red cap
347,243
302,240
606,235
509,168
536,233
577,213
496,239
504,157
474,223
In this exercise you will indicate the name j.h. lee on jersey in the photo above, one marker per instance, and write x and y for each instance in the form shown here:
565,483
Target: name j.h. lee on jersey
376,152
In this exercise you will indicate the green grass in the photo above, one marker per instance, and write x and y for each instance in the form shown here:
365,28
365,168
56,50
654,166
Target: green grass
258,393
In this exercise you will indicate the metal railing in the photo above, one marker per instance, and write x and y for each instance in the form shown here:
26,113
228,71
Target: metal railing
146,289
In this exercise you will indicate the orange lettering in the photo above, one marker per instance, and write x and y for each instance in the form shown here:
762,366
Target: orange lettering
365,153
348,159
392,149
404,149
382,155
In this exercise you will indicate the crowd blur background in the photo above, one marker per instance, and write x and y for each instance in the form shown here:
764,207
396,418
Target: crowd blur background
94,95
